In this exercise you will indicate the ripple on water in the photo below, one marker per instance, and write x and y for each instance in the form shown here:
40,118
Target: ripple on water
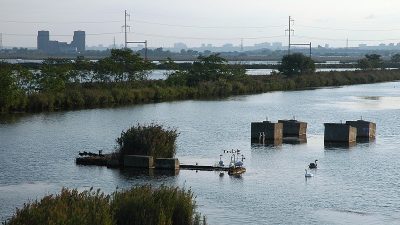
351,186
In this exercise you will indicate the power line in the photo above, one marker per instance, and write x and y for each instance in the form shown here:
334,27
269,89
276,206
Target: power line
61,35
350,40
208,38
194,26
58,22
207,27
354,30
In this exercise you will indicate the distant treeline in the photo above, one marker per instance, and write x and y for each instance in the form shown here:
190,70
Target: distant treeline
121,80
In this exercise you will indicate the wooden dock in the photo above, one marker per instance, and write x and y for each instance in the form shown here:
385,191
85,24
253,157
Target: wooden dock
203,168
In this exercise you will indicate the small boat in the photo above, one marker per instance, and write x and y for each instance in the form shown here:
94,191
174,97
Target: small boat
236,166
236,170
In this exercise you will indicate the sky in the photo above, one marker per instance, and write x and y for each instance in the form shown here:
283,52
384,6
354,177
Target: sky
194,22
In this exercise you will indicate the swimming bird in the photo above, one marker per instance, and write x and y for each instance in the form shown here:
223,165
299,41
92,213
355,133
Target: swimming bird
313,165
221,163
308,174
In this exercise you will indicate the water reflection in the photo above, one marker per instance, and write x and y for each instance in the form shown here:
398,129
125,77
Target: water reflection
10,118
339,145
295,140
42,148
133,173
267,143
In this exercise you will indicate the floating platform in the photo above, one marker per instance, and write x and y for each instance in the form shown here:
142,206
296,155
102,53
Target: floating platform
293,128
339,133
266,131
91,161
203,168
365,130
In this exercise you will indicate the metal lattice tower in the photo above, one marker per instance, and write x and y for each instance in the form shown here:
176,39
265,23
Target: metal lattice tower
290,30
1,40
125,27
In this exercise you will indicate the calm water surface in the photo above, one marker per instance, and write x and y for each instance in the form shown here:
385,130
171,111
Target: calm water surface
359,185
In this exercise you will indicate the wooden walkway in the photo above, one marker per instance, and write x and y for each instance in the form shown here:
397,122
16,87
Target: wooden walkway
203,168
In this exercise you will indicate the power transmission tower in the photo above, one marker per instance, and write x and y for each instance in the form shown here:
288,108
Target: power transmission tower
1,41
114,46
125,27
241,45
290,30
347,43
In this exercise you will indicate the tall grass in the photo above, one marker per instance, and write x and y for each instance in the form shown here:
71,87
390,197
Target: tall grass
142,205
151,140
70,207
147,206
108,95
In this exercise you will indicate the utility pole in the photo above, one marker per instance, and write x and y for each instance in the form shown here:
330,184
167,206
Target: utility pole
290,30
126,28
132,42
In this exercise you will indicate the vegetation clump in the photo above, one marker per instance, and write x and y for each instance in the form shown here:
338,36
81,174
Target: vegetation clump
140,205
150,140
69,207
297,64
120,79
205,69
371,62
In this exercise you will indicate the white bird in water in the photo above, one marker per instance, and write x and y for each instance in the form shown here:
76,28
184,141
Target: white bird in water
308,174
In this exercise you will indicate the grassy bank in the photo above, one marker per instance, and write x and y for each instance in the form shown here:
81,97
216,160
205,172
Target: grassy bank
120,79
140,205
116,94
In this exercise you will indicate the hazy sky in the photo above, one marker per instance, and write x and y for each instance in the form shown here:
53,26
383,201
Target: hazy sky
164,22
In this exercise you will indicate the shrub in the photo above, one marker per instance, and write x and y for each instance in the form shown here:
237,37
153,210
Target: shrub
143,205
152,140
296,64
68,208
146,205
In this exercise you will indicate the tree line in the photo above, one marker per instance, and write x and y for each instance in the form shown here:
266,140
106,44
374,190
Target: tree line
122,78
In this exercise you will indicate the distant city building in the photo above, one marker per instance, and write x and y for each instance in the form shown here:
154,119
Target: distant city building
77,45
79,40
362,45
43,40
277,45
263,45
227,45
179,46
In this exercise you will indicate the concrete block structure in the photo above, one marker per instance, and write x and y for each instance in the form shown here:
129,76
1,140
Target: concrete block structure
77,45
339,133
138,161
293,128
365,129
266,130
167,164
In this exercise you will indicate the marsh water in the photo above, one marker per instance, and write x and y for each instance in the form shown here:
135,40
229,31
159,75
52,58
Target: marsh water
357,185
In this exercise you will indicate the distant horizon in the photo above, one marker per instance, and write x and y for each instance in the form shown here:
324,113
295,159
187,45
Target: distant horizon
163,23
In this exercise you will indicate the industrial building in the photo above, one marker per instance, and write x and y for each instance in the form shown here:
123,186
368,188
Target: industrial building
46,45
